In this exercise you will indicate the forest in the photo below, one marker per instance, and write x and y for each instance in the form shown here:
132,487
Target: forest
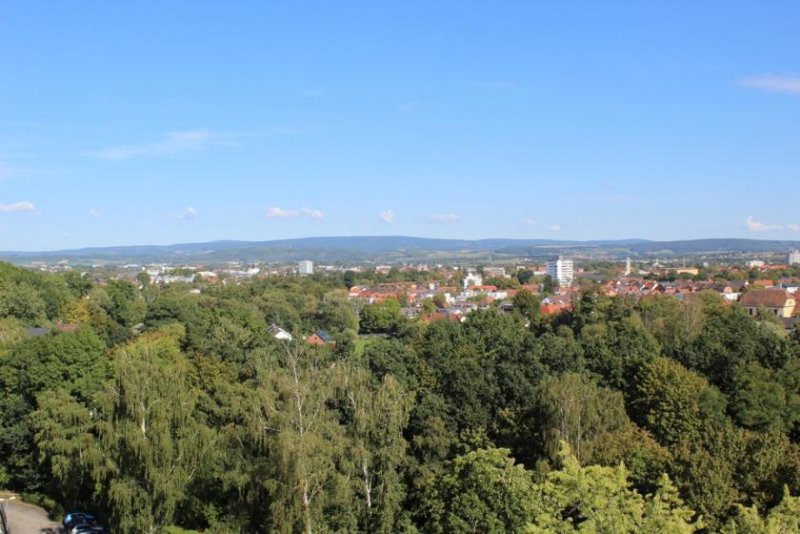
174,409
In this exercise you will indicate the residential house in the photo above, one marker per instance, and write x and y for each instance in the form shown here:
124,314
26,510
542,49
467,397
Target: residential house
777,301
320,337
279,333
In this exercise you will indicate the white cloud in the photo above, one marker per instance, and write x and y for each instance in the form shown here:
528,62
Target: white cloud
757,226
555,227
443,218
793,227
17,206
314,214
189,214
274,212
528,221
280,213
94,214
776,84
386,216
172,143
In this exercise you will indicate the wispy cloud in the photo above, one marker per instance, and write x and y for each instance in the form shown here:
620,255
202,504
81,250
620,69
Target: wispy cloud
528,222
386,216
17,206
189,214
776,84
443,218
274,212
757,226
555,227
171,143
94,214
793,227
314,214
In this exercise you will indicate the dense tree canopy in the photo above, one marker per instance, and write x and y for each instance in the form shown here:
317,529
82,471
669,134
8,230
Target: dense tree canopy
174,409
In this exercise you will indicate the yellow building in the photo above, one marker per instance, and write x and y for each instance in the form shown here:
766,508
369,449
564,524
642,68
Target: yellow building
777,301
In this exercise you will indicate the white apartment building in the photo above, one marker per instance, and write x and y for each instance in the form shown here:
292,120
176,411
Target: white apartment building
472,279
306,267
794,257
561,271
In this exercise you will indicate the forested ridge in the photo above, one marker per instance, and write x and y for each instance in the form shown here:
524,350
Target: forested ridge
173,410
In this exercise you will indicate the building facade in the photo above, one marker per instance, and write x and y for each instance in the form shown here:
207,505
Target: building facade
306,267
776,301
794,257
561,271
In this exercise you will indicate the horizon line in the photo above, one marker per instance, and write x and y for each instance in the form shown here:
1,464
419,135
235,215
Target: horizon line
388,236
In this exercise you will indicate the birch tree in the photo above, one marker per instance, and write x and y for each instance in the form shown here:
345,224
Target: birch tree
152,440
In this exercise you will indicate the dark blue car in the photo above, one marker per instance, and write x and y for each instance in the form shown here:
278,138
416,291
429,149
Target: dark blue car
81,523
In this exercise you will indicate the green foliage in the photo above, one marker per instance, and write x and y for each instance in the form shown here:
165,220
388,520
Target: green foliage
151,442
31,297
673,323
66,440
673,402
391,357
728,339
22,301
68,362
482,491
617,350
642,455
562,353
760,400
597,499
198,420
336,313
381,318
731,466
375,419
524,277
783,519
525,303
572,409
79,284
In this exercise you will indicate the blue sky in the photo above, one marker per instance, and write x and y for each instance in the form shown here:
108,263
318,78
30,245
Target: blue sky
166,122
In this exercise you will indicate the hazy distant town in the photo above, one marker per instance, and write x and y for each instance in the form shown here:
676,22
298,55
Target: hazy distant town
441,291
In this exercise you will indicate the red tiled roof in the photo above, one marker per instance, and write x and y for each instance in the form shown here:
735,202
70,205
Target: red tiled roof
763,283
769,298
550,309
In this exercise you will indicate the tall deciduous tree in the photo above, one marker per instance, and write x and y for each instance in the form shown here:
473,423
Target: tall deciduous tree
572,409
597,499
152,440
482,491
375,419
673,402
306,443
66,436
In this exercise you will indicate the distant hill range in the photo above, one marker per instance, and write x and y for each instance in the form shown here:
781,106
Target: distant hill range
400,249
